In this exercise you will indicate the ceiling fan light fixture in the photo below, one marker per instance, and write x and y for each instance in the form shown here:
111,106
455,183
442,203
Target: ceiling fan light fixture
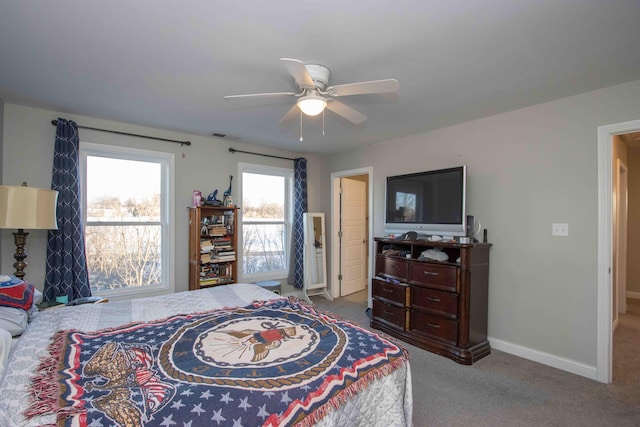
312,105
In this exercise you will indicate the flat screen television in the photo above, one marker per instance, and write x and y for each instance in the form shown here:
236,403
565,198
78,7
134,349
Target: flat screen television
430,203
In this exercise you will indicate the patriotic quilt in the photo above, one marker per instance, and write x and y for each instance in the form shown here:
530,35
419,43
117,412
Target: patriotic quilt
271,363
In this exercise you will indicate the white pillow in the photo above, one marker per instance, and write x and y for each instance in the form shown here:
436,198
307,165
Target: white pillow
5,347
14,320
37,299
37,296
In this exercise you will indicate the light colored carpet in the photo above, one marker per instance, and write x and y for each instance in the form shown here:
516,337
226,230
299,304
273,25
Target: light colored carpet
626,355
631,319
505,390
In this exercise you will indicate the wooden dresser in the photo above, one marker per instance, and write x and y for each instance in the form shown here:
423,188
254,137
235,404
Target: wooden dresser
440,306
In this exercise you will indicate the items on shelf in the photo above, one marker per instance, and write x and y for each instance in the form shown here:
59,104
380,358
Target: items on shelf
227,201
433,254
212,199
197,198
388,279
212,247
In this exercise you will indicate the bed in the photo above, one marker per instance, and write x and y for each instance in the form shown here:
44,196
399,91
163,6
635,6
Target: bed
229,355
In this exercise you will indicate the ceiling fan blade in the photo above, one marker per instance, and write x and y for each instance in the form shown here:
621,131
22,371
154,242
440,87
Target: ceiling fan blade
299,72
362,88
261,95
346,112
291,115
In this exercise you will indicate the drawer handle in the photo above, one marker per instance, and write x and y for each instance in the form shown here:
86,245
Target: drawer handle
391,313
434,299
433,325
388,290
431,273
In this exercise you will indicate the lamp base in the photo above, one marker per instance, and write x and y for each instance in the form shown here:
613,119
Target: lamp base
21,253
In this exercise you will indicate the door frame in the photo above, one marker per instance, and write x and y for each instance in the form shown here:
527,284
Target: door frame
349,184
604,332
335,225
622,211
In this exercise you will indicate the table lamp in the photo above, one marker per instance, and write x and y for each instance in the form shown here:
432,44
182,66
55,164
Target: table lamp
28,208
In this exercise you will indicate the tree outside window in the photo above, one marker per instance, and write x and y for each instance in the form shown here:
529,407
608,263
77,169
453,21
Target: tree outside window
125,219
265,221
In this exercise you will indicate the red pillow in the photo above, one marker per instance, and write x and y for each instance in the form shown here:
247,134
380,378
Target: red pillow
15,292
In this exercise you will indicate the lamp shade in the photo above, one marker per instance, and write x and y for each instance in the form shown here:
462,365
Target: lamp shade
28,208
312,105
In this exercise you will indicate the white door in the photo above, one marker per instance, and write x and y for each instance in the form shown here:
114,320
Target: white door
353,244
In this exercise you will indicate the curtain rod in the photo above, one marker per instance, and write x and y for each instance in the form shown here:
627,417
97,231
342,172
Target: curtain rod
233,150
55,123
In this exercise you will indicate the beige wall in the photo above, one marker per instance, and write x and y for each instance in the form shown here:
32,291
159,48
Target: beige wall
526,170
205,165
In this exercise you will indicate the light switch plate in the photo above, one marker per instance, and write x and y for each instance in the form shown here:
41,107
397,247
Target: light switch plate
559,229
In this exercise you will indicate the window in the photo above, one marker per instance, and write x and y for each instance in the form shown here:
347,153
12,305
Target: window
266,221
127,206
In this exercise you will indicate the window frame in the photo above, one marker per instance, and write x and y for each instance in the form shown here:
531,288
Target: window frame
167,211
288,175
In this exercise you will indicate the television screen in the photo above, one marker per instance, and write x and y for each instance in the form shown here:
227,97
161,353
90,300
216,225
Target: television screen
432,201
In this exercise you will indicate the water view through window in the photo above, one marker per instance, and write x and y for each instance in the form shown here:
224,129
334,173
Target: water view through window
122,224
263,223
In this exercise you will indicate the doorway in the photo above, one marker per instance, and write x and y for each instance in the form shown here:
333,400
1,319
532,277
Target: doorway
607,290
351,230
353,235
620,241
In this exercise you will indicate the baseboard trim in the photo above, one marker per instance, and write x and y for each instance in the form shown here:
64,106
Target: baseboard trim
552,360
633,295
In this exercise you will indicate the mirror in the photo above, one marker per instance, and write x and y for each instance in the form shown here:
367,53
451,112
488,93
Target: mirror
315,256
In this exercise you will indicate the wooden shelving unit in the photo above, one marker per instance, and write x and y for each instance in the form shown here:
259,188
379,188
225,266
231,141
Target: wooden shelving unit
212,246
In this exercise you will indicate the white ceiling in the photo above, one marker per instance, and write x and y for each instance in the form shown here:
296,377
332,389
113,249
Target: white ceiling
168,64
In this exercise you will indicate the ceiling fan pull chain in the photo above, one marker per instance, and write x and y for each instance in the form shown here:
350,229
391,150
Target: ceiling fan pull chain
322,122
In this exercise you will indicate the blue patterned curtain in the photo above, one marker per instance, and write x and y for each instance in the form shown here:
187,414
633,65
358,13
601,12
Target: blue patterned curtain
296,270
66,261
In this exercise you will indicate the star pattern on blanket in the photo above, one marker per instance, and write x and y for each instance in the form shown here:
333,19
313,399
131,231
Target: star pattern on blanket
207,374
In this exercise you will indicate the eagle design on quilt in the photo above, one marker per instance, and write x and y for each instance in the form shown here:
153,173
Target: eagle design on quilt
121,368
263,341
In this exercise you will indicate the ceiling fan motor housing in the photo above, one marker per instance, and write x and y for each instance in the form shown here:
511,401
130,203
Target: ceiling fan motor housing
319,74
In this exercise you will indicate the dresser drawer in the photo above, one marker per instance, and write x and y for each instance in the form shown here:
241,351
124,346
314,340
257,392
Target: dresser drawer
434,326
443,302
389,291
394,267
434,275
389,313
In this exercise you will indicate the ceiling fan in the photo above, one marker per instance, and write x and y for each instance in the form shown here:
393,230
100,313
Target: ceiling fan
314,95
